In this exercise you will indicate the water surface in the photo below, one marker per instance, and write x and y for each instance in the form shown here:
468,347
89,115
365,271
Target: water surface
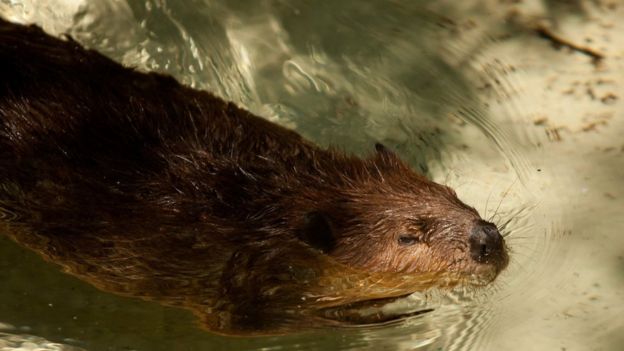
528,134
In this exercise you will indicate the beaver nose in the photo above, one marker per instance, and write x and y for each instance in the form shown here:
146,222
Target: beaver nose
486,243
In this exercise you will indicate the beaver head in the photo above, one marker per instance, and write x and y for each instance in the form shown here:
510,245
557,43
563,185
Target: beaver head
399,221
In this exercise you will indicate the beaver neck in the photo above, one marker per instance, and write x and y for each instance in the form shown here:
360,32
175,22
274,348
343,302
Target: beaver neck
266,187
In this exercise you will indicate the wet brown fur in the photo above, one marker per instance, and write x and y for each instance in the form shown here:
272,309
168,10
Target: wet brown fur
148,188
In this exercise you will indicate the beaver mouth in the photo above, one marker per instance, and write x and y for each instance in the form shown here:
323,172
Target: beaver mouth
483,274
374,312
479,273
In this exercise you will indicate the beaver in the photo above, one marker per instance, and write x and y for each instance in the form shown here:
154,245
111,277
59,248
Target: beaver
148,188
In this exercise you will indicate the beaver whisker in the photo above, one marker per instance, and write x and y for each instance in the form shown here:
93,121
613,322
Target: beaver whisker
517,240
487,201
503,198
524,255
514,215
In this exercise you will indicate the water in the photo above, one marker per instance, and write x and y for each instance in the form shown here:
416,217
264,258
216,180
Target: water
468,93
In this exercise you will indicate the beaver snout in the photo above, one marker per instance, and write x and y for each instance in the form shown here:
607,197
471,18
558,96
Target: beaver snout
487,245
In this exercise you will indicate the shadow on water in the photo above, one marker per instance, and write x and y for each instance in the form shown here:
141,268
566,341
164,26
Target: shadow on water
349,80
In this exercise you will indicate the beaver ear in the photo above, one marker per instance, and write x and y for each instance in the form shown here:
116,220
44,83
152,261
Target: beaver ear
384,154
317,232
381,148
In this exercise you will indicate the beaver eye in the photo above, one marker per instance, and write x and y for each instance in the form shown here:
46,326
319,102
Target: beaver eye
406,240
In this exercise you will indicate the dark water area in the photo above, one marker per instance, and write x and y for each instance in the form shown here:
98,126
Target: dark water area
502,101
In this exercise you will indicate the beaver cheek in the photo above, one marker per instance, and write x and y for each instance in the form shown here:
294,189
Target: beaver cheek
418,260
434,258
458,259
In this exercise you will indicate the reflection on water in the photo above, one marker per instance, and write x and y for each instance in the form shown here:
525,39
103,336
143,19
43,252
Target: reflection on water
10,342
452,94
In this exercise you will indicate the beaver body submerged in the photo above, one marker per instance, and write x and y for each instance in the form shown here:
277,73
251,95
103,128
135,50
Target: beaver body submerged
148,188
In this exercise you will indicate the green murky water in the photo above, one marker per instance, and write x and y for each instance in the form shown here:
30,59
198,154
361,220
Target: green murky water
527,133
